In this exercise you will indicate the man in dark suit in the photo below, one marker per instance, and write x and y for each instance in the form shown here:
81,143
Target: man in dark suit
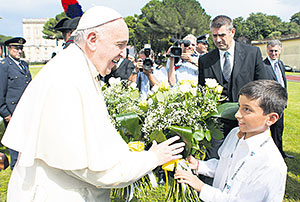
14,78
232,64
276,70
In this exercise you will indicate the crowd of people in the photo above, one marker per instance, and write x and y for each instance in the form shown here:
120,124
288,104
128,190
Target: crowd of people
64,148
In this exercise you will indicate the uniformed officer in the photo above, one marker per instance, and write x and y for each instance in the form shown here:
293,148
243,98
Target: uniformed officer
14,78
66,26
202,44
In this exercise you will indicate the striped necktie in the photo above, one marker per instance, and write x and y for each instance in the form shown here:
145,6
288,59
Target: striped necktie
278,74
22,67
226,67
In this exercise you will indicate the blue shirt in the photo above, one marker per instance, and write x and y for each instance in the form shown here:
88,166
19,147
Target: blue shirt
160,74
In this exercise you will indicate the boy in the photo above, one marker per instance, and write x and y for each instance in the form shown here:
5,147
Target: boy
250,167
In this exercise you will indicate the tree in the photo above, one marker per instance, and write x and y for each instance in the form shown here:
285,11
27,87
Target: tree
48,29
296,18
259,26
162,19
178,17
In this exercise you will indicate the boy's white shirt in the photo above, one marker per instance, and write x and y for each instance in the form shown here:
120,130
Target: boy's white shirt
248,170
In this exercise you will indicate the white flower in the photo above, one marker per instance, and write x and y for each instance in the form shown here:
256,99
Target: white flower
164,86
102,83
184,88
194,91
219,89
133,85
194,83
211,83
155,88
114,81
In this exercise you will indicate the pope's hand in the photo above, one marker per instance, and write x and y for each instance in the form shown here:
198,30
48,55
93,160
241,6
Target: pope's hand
167,151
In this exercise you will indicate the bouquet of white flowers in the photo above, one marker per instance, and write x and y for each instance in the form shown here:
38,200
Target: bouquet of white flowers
187,110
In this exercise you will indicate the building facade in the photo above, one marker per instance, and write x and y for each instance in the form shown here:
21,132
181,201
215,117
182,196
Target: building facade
36,48
290,54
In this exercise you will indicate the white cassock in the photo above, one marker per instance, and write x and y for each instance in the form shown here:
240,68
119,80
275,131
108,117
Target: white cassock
69,149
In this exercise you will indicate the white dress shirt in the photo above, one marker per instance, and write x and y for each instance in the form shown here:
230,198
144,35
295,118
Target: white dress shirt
248,170
186,70
273,68
231,56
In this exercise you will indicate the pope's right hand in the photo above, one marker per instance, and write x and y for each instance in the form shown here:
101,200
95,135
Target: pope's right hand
167,151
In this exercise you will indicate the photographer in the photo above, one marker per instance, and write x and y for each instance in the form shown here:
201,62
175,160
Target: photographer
186,68
148,72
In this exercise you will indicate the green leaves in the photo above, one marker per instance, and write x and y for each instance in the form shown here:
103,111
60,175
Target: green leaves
227,110
158,136
129,126
186,135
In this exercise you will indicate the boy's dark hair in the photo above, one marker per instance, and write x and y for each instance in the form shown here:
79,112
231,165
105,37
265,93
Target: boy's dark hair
271,95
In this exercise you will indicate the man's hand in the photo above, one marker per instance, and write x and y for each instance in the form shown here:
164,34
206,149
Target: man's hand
186,56
167,151
147,72
7,119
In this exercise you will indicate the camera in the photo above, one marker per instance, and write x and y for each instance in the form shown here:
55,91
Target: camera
147,62
176,49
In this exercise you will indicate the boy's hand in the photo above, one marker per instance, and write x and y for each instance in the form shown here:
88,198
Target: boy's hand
189,178
193,163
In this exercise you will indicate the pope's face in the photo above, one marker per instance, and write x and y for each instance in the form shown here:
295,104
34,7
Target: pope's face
111,46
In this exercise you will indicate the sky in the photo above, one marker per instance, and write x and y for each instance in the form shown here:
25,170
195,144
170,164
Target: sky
13,12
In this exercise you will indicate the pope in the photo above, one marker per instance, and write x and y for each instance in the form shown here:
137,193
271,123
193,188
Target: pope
69,149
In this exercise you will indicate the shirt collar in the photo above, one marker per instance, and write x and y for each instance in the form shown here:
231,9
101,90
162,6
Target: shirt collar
256,140
272,61
17,62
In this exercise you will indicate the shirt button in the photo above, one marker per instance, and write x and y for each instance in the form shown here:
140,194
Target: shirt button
13,102
25,76
27,82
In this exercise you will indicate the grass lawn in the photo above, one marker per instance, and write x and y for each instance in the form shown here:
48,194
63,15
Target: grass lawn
291,145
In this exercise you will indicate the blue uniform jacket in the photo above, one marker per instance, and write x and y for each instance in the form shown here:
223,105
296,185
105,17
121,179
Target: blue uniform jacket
13,82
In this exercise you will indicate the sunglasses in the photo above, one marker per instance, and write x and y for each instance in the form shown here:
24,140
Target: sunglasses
271,51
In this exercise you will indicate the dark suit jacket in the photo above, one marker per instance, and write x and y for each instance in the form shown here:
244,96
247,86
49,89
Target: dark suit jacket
248,66
13,82
123,71
271,71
